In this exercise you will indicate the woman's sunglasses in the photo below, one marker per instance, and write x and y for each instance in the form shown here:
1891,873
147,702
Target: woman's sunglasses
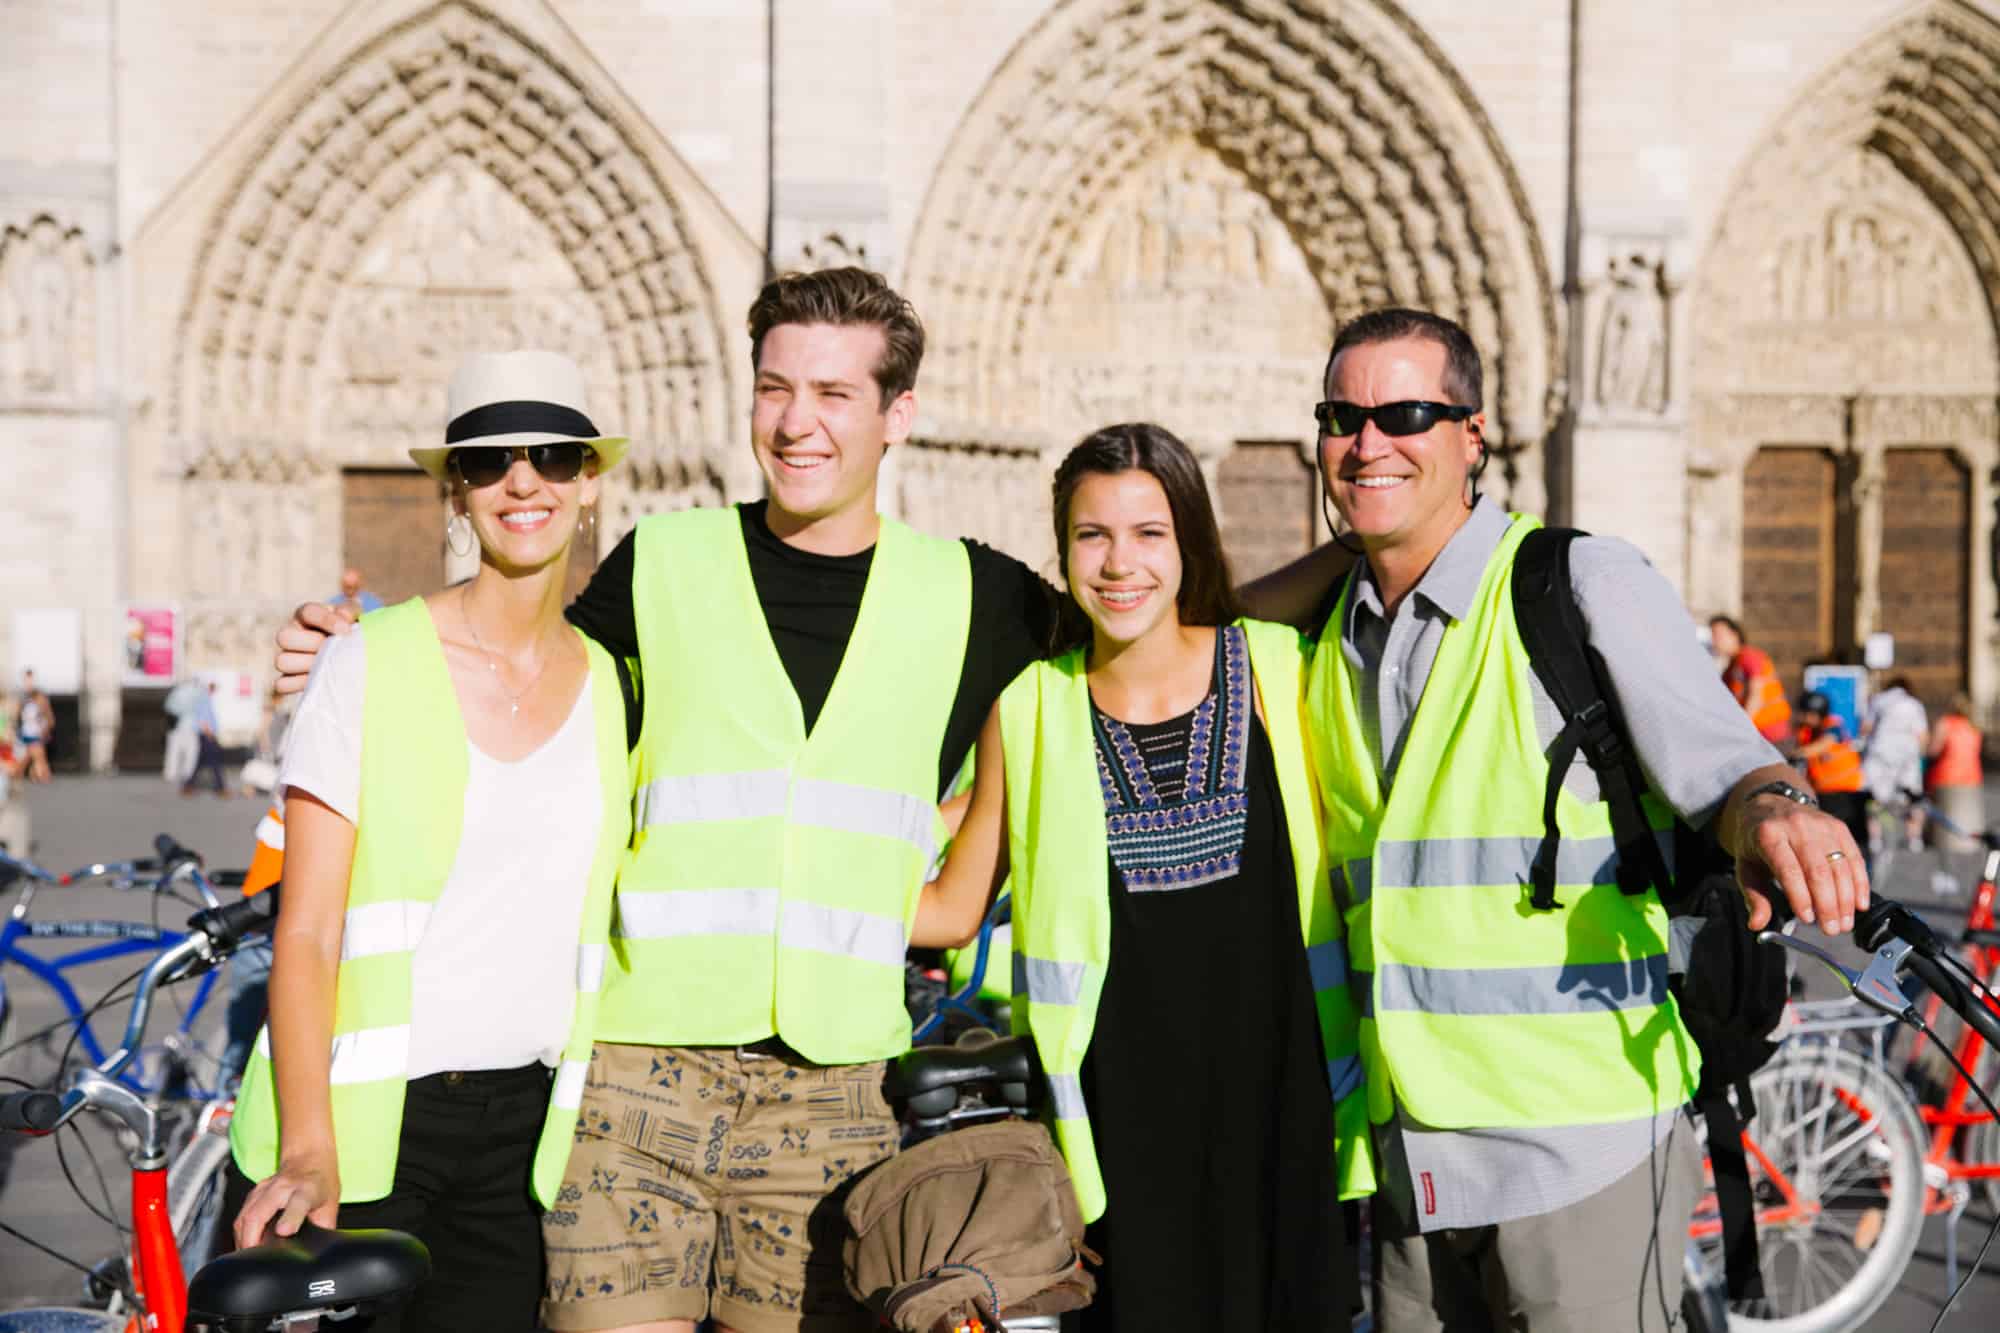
1412,417
480,465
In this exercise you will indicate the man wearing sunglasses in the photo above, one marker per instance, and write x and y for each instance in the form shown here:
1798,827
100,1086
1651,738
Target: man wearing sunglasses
1526,1067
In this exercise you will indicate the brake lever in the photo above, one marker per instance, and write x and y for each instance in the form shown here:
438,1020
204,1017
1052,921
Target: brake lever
1875,985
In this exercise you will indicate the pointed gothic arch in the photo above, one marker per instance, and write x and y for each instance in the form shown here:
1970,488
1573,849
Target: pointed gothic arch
1346,118
452,83
1849,302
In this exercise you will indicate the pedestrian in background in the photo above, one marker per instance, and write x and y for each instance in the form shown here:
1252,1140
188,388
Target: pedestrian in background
1953,779
355,599
1833,764
1895,735
183,736
209,760
1753,678
33,721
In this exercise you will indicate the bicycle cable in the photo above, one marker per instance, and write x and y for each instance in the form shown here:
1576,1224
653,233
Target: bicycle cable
53,1253
1993,1111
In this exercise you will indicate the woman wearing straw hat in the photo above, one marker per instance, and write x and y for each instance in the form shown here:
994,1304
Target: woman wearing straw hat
456,801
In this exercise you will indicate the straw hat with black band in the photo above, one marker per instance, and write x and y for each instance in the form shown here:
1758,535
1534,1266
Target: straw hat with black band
514,398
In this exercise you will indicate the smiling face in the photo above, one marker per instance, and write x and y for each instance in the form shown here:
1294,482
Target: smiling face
525,521
1123,557
818,424
1404,490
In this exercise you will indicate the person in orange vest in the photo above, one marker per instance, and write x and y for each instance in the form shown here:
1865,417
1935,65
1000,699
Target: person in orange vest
1753,678
1833,764
1954,781
250,965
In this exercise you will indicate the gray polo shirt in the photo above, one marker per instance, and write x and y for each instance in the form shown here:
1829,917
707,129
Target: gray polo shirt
1693,741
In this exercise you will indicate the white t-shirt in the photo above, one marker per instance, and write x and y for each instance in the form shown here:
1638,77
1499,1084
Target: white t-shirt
493,976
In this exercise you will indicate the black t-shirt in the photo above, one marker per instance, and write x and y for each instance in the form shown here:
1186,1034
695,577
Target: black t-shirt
810,604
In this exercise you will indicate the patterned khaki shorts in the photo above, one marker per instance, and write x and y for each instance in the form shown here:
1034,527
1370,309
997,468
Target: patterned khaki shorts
707,1181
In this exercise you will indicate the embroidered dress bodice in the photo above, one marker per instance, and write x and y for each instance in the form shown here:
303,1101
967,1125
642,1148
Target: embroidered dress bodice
1175,798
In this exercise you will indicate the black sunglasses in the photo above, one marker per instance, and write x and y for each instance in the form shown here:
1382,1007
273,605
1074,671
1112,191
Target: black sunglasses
480,465
1411,417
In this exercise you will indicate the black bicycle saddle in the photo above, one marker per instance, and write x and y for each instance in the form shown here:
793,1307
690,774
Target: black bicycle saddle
316,1269
922,1069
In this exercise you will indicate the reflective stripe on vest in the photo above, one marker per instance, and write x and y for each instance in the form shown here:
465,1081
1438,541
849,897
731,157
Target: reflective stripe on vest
1477,1012
787,863
1062,922
413,776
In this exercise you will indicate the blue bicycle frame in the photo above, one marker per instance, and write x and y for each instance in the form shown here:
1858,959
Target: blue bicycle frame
964,1000
123,938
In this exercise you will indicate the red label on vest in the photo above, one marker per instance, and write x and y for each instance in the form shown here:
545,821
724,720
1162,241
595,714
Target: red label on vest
1430,1195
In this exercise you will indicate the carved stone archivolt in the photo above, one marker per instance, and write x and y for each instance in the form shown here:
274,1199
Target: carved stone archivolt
48,315
1315,159
451,186
1849,295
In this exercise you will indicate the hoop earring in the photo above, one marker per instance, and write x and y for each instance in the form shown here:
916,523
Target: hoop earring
458,535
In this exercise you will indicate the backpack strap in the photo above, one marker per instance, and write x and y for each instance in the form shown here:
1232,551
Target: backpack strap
1574,675
1572,672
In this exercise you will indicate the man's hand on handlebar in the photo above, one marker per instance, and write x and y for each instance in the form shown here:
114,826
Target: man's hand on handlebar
301,639
306,1189
1805,855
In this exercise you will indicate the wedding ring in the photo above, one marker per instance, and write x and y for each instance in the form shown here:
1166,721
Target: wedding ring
1836,856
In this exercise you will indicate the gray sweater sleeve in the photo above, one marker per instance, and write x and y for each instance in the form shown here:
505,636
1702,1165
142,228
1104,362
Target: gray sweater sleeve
1693,739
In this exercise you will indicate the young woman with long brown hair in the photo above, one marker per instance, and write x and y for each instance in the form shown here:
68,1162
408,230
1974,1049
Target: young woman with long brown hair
1177,956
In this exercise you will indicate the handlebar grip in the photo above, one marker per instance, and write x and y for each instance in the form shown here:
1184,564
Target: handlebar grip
1955,994
171,853
228,924
30,1112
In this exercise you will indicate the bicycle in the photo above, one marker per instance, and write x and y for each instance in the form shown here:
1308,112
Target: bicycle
1841,1167
315,1273
169,1068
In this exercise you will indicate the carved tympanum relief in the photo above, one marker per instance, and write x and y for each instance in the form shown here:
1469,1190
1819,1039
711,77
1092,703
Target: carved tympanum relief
1861,286
48,315
463,268
1340,128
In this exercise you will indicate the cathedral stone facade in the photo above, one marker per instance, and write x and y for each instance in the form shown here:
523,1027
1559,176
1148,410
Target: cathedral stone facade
1733,268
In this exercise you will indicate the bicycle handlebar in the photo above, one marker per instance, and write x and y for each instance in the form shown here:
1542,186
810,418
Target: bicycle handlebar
33,1112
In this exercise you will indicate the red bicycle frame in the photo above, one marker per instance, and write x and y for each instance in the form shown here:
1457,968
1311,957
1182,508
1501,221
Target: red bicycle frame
162,1287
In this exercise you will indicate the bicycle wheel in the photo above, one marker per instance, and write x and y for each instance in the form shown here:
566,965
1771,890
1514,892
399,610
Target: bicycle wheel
1836,1155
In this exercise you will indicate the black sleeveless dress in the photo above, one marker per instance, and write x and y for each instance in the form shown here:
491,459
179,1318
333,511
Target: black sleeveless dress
1205,1079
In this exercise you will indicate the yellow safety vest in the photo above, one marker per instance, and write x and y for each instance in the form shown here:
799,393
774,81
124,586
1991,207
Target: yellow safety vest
1478,1011
413,776
1062,908
774,875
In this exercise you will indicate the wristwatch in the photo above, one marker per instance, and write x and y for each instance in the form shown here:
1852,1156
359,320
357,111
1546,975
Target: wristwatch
1786,790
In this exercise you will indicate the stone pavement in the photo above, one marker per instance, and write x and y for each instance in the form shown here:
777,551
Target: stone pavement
77,820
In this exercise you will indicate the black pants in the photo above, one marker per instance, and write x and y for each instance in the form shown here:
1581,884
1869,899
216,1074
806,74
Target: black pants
208,761
462,1188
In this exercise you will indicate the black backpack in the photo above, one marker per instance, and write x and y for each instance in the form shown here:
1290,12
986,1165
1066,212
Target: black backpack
1735,987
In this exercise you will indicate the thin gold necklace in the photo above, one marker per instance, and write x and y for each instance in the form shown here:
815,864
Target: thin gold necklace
493,664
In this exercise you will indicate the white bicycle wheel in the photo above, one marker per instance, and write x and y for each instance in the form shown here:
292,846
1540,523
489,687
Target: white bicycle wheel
1836,1168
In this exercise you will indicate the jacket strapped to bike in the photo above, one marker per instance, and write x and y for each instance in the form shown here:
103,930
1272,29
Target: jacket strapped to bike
773,874
1479,1011
414,766
1058,852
